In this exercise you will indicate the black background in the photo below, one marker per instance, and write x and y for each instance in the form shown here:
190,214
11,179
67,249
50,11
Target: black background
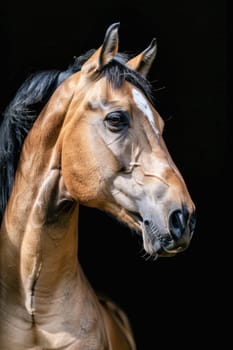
177,301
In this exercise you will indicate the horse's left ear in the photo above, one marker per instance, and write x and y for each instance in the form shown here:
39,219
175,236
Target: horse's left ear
105,53
143,62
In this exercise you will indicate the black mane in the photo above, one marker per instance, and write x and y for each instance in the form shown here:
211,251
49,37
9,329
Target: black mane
19,116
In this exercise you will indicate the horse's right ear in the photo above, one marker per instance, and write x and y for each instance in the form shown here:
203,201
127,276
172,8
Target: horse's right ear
105,53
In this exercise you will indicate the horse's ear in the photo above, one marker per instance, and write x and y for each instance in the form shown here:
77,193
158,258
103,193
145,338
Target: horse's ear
143,62
106,52
110,45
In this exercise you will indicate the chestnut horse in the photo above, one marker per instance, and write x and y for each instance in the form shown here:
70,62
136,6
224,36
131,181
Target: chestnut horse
91,136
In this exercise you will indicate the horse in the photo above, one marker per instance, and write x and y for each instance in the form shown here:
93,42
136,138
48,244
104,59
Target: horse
89,135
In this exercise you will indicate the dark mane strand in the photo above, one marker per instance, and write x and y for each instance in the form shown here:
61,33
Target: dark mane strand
75,66
20,115
116,72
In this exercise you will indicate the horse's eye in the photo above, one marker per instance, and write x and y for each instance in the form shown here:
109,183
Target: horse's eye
117,120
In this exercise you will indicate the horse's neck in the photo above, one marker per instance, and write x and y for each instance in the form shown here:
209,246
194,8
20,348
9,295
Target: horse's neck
39,229
41,281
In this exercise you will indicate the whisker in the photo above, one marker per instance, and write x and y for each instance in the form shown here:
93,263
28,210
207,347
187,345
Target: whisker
155,257
148,257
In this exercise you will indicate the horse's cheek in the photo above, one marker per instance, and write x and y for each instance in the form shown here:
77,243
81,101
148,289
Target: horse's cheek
80,174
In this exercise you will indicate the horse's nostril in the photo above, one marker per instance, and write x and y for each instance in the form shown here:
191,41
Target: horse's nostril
179,220
146,222
192,222
177,223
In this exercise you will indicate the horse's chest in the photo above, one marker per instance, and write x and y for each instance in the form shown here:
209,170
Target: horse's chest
20,335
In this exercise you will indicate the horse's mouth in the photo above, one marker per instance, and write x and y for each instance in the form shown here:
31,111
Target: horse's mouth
159,246
155,244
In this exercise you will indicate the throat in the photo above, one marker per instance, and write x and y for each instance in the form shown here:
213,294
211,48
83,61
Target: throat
39,247
50,238
30,289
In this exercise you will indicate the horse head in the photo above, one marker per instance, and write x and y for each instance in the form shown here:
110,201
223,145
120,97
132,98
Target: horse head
114,157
